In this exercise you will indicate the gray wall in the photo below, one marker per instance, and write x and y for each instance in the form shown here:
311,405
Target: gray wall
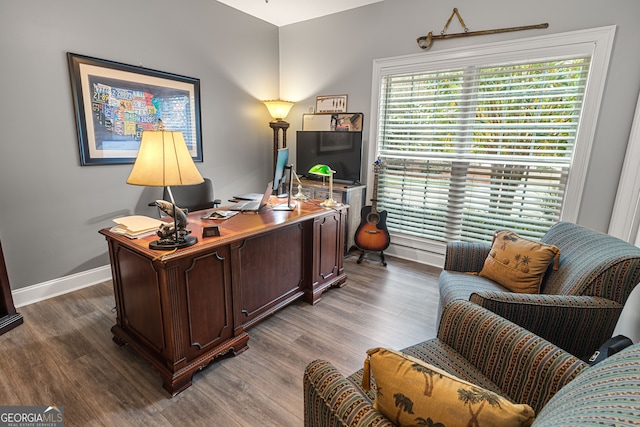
334,55
51,208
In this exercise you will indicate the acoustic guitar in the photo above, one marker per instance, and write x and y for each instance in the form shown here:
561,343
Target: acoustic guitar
372,233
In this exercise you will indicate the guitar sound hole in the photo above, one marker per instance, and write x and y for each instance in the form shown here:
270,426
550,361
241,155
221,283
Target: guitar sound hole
373,218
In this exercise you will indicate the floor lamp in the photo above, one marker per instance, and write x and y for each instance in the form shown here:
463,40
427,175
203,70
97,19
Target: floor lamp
278,110
164,161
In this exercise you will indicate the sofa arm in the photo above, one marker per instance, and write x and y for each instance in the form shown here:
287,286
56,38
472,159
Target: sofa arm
330,400
577,324
524,366
465,256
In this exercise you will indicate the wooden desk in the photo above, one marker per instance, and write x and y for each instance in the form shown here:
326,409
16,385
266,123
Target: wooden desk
181,310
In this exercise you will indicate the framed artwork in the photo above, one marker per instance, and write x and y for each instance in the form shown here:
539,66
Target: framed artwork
114,103
331,104
347,122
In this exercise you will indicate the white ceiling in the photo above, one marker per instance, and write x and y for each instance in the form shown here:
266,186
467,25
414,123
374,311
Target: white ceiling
283,12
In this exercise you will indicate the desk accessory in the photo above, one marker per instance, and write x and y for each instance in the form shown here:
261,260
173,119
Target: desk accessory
299,195
210,231
163,161
136,226
220,215
324,170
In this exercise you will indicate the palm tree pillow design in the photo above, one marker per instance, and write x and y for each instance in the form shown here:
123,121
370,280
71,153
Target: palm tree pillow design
517,263
410,392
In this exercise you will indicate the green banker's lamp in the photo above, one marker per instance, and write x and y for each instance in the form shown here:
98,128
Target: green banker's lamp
324,170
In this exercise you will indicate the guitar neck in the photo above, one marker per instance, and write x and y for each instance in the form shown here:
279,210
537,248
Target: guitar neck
374,199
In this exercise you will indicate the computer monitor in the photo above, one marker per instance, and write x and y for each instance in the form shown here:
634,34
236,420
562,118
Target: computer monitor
279,177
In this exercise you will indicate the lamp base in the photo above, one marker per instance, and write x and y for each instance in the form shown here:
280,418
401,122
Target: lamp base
167,245
329,203
284,207
300,195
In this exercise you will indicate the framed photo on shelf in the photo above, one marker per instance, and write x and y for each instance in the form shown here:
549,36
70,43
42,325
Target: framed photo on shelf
114,103
331,104
346,122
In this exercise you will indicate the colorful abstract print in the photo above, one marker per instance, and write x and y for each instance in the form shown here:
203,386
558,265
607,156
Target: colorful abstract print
120,114
122,111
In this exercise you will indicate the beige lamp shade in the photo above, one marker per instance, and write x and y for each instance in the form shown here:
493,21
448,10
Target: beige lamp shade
163,160
278,109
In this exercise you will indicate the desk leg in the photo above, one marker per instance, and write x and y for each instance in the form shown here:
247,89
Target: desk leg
176,381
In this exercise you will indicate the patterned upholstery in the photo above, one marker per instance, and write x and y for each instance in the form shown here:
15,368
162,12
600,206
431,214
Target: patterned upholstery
606,394
579,304
474,344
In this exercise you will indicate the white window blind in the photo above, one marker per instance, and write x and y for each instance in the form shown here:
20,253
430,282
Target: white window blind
469,150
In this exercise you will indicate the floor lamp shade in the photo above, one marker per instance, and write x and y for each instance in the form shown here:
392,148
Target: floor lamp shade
278,109
163,160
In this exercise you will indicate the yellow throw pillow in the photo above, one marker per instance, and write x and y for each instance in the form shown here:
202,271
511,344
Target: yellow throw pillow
410,392
518,264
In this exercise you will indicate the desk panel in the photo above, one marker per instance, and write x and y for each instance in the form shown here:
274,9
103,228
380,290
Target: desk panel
272,271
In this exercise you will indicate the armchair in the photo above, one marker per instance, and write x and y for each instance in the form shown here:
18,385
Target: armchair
473,344
579,304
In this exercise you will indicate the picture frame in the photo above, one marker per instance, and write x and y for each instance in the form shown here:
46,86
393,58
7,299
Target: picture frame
115,102
341,122
331,104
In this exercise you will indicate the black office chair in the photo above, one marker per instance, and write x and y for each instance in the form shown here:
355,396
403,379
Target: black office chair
192,197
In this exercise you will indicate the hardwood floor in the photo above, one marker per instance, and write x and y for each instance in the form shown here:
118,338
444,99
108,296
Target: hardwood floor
63,353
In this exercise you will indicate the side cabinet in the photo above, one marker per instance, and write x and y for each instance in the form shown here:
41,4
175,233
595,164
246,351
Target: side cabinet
328,254
350,195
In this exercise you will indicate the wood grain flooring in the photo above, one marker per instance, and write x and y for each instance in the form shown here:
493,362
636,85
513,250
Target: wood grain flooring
63,353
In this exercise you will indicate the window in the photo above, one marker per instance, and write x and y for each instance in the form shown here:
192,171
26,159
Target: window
496,137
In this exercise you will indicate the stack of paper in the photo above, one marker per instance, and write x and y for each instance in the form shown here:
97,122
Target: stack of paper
136,226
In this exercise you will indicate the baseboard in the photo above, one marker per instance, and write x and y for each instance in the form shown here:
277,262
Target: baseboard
414,254
409,253
57,287
53,288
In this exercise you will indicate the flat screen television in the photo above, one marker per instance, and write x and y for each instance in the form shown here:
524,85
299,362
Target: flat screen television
341,151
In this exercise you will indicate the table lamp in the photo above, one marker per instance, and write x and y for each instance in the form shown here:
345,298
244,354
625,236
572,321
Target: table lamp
299,195
163,161
324,170
278,110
